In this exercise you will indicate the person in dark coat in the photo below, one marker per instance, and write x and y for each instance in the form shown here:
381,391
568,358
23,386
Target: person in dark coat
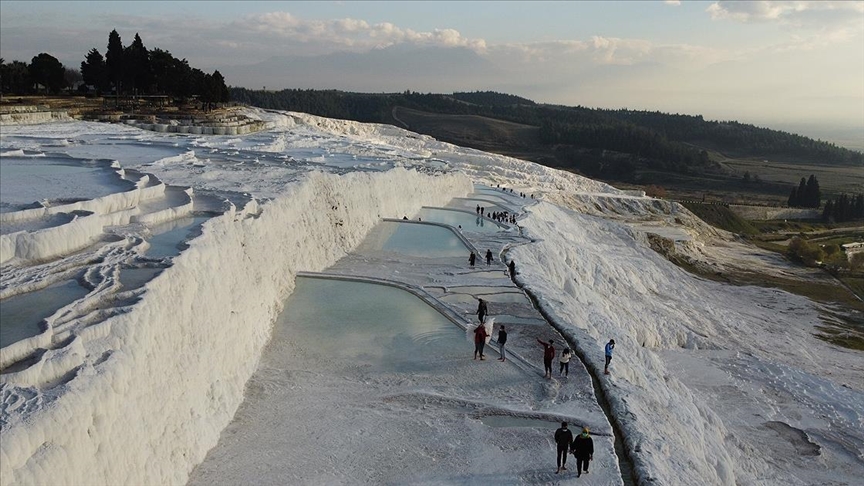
472,259
583,451
502,340
482,310
563,441
488,257
512,267
548,356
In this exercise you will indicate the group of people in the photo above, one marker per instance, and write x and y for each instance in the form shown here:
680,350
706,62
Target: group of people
549,356
503,217
581,446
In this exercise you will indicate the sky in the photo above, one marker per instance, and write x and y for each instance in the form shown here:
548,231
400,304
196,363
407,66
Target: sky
793,65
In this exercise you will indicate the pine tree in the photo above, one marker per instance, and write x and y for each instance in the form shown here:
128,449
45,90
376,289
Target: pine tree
812,195
801,199
136,61
94,71
114,61
828,212
793,198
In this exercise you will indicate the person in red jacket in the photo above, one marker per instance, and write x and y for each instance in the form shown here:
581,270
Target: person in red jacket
548,356
479,340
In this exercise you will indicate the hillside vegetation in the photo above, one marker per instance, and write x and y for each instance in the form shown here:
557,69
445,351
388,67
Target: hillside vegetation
646,136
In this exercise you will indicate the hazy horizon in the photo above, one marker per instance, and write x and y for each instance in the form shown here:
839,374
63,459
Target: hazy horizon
792,66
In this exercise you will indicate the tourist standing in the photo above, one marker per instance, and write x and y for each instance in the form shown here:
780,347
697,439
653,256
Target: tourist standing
488,257
563,442
548,356
609,347
583,450
512,267
472,259
479,341
564,361
502,340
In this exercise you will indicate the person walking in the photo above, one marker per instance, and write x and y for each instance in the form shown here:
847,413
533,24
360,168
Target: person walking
548,356
482,311
478,209
502,340
563,442
479,341
488,257
472,259
609,347
583,451
564,361
512,267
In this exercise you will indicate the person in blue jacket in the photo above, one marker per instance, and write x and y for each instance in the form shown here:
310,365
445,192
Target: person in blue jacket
609,347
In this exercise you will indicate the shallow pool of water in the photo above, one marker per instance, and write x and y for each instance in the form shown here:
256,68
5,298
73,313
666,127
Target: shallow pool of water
22,315
27,180
419,240
133,278
49,221
127,152
455,218
168,238
382,327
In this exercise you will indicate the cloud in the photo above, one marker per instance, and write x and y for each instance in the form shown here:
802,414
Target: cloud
795,13
339,34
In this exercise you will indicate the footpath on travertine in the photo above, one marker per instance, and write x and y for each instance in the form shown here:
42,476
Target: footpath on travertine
488,420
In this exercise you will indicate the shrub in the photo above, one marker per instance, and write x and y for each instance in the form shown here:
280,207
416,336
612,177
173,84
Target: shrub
801,249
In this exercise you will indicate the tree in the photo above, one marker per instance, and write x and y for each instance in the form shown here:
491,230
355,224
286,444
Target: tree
812,195
828,212
136,67
46,70
114,61
72,77
801,249
221,91
94,71
15,78
792,202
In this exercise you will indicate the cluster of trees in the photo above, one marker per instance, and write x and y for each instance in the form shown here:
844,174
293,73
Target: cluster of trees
44,73
806,195
132,69
844,208
135,70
